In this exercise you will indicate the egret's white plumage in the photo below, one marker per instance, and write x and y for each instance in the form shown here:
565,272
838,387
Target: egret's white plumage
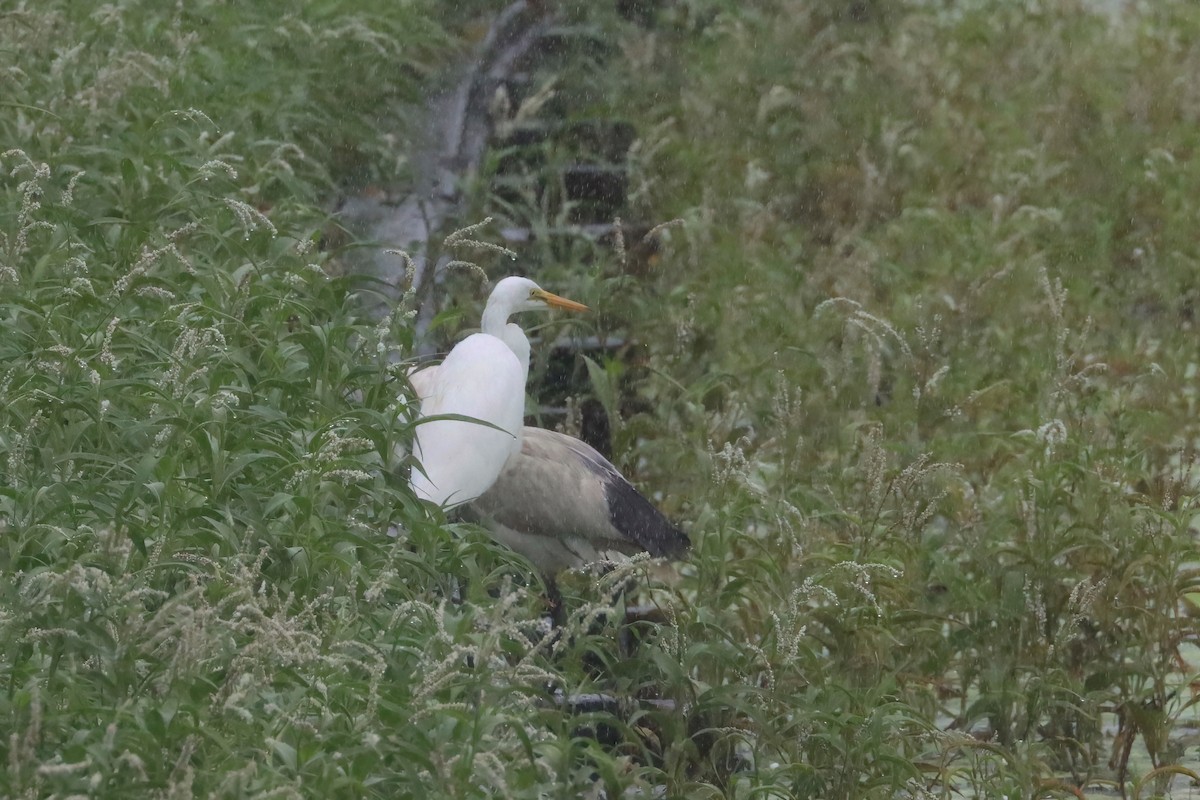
483,378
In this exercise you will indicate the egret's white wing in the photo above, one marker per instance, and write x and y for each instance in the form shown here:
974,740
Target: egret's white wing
481,379
422,380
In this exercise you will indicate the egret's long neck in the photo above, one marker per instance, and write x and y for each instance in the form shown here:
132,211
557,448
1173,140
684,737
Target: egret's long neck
495,323
494,320
518,342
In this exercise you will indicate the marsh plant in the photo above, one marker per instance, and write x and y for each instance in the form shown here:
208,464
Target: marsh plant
944,363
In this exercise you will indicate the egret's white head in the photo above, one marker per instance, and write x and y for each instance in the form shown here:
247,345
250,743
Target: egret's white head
521,294
514,294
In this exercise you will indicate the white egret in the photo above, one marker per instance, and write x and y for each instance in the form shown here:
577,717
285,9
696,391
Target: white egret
483,378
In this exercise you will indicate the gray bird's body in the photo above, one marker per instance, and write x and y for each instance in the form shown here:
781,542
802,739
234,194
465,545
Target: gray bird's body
562,505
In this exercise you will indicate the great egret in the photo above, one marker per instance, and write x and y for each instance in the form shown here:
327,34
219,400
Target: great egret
562,505
483,378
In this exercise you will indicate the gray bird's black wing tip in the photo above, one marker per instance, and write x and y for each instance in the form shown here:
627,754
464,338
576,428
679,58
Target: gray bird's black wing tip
639,521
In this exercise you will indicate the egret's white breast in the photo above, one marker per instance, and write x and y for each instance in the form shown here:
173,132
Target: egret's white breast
483,379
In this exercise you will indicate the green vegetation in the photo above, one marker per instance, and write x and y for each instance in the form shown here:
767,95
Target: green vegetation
921,372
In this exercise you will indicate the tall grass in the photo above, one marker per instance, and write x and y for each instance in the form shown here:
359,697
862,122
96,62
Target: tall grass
201,595
931,322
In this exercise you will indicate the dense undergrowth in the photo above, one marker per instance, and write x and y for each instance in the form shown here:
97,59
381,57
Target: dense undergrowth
922,369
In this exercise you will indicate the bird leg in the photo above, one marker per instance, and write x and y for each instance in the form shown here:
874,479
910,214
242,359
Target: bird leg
554,599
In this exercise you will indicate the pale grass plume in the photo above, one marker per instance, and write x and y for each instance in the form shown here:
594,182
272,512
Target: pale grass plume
572,422
929,339
190,632
79,287
151,256
488,766
1182,480
32,190
505,120
786,400
92,584
612,576
589,614
163,436
249,217
57,766
278,160
183,774
1027,509
68,194
443,661
730,464
305,245
347,477
873,463
1056,301
134,763
933,382
405,310
326,462
18,450
876,334
909,488
156,293
75,266
67,59
879,329
220,142
337,445
1085,597
685,326
1035,606
619,241
755,176
121,73
184,631
469,266
790,626
194,115
1052,435
192,346
407,306
209,169
764,660
464,237
49,367
861,575
788,519
35,634
354,29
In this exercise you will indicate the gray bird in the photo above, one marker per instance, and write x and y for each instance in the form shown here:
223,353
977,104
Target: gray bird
562,505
